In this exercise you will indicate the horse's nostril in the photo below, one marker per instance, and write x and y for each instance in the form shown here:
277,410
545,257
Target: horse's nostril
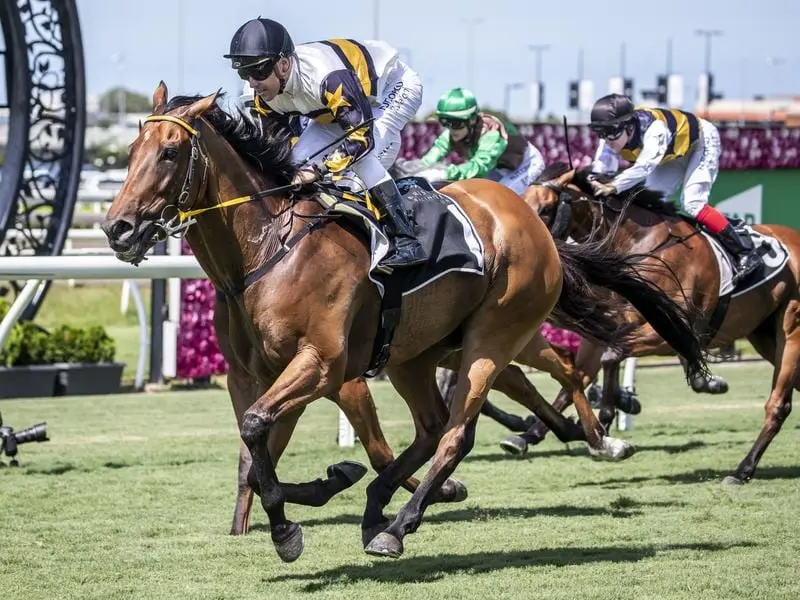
117,229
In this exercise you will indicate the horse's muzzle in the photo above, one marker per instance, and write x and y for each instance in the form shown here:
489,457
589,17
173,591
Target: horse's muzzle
129,242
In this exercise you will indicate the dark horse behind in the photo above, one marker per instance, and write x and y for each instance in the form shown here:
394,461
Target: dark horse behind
768,315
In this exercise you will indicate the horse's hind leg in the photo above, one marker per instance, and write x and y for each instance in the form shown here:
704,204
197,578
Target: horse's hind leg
415,381
355,400
784,381
494,337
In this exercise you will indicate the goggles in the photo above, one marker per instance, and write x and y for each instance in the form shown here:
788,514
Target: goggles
259,70
452,123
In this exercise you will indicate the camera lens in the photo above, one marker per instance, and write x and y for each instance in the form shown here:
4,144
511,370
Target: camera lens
37,433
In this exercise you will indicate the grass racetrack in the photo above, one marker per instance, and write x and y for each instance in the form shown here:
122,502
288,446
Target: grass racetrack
133,498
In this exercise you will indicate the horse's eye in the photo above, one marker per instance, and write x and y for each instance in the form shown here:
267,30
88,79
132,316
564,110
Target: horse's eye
169,153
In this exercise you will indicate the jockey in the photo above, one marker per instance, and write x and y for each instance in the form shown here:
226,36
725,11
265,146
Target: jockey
492,149
338,84
668,147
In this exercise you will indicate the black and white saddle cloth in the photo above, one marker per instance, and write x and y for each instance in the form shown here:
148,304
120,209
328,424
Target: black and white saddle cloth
443,229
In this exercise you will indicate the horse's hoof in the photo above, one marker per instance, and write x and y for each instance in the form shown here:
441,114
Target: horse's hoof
515,445
385,544
628,403
347,471
710,385
454,491
613,449
368,534
289,544
732,480
716,385
530,422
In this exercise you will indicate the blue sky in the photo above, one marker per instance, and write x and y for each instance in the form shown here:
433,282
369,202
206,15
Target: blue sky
434,33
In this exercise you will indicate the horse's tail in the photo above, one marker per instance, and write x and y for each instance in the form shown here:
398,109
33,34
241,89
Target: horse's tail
594,314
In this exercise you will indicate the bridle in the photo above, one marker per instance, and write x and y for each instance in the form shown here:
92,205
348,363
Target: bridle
177,224
562,217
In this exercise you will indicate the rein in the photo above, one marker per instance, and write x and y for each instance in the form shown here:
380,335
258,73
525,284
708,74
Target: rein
183,219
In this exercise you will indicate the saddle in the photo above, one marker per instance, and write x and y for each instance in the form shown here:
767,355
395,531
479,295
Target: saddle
443,229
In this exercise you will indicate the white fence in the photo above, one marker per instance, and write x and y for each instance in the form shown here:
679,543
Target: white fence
37,269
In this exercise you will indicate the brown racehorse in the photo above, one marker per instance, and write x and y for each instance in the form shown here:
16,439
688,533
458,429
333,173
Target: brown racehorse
767,315
301,314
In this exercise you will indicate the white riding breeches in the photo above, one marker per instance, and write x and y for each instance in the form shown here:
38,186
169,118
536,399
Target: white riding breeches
397,105
696,171
520,178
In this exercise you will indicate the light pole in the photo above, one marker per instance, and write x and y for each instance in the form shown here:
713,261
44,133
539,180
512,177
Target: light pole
471,23
180,45
119,60
708,34
538,49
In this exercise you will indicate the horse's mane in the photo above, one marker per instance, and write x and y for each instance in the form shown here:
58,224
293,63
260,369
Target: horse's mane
557,169
263,143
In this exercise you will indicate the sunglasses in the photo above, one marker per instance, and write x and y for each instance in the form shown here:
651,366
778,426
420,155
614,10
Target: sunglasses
453,123
258,71
611,132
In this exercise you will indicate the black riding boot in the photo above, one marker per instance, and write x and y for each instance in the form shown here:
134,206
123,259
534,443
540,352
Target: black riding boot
407,249
741,246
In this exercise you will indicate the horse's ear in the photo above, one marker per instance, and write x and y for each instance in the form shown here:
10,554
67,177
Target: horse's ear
160,98
198,108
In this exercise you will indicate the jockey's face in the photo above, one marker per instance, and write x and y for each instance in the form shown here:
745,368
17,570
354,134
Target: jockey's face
618,137
459,128
459,133
270,87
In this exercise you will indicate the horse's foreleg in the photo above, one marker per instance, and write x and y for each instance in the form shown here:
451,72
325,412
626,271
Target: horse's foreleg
610,363
539,354
307,377
242,390
446,378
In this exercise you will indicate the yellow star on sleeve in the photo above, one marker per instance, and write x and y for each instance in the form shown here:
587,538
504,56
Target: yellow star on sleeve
360,135
336,100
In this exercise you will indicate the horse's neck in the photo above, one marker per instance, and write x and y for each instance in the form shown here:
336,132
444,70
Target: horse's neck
639,230
230,243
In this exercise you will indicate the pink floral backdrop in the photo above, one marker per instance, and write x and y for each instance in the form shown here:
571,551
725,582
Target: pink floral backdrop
743,148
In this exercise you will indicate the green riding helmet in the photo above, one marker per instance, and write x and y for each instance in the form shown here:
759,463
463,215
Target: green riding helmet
457,104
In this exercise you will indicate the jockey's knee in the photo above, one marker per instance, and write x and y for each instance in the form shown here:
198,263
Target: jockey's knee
695,197
370,170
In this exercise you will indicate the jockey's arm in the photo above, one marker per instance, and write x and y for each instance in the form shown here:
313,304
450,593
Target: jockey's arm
341,92
440,149
490,147
655,143
605,159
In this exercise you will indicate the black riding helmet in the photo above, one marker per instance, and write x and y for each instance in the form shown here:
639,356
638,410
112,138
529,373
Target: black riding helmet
612,113
259,39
